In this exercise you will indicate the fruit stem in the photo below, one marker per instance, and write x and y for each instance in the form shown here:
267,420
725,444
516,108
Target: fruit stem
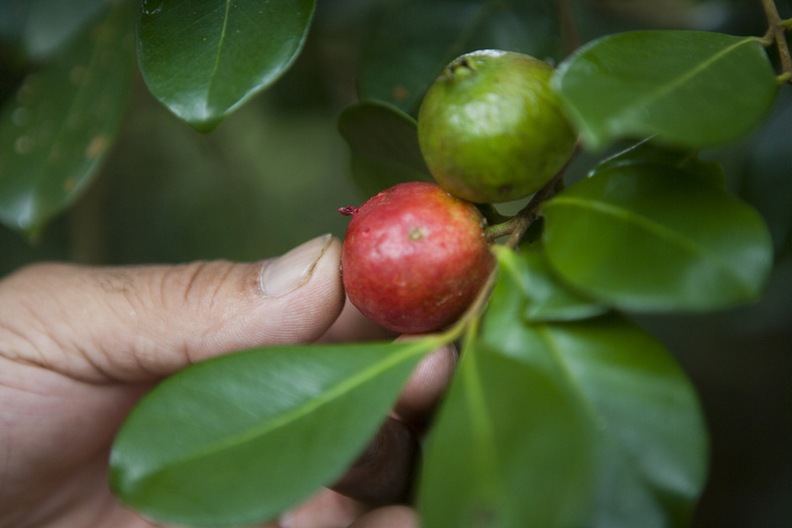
516,226
528,214
496,231
473,312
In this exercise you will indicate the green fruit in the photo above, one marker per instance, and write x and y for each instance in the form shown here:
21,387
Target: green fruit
491,129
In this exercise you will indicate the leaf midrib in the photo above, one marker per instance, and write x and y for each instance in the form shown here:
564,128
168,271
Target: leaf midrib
644,223
630,109
597,417
296,413
219,52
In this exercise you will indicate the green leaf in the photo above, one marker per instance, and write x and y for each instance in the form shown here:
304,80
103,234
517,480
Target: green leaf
647,237
687,88
239,438
527,284
649,439
384,144
509,448
57,130
412,41
205,59
649,153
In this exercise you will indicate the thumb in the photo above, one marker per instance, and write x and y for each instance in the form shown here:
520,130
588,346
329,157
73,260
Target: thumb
141,323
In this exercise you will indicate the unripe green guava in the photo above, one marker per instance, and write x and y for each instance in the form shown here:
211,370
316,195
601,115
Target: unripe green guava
414,257
491,129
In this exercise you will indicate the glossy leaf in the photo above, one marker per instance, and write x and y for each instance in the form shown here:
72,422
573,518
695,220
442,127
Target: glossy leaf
650,443
654,238
687,88
537,294
57,130
384,145
510,448
647,434
240,438
412,41
648,152
205,59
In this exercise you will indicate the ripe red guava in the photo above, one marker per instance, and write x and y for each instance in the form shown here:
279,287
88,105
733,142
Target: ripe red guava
414,257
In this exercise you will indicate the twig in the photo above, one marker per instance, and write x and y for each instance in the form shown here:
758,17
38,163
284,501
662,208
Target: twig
515,227
567,25
776,32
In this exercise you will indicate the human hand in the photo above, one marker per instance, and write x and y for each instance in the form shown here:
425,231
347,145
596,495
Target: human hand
79,346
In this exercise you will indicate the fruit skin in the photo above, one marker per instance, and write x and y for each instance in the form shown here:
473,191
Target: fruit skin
414,257
491,129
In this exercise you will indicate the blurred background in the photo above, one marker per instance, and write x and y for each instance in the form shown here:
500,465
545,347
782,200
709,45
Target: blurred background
275,173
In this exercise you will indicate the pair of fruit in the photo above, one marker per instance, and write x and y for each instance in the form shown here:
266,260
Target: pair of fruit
491,130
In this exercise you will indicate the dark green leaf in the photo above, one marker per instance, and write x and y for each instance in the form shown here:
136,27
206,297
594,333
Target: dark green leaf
647,237
648,153
649,439
239,438
58,128
687,88
527,283
384,144
412,41
205,59
509,448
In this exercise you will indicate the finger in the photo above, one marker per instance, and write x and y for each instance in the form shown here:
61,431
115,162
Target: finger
428,382
352,326
383,474
326,509
140,323
396,516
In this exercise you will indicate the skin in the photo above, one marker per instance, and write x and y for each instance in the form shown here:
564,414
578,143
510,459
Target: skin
491,129
415,257
79,346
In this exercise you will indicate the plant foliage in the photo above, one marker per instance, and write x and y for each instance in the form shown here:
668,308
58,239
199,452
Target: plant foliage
563,411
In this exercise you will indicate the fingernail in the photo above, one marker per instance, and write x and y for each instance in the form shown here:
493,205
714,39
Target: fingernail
286,273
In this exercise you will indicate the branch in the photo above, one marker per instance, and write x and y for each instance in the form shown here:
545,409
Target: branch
567,25
776,32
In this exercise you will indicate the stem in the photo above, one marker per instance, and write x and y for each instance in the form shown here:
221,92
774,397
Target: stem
474,311
515,227
567,25
776,32
502,229
528,214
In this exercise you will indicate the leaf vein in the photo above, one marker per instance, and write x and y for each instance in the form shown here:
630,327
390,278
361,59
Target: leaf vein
332,393
674,238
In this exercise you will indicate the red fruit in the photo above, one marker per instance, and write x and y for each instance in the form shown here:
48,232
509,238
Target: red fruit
414,257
